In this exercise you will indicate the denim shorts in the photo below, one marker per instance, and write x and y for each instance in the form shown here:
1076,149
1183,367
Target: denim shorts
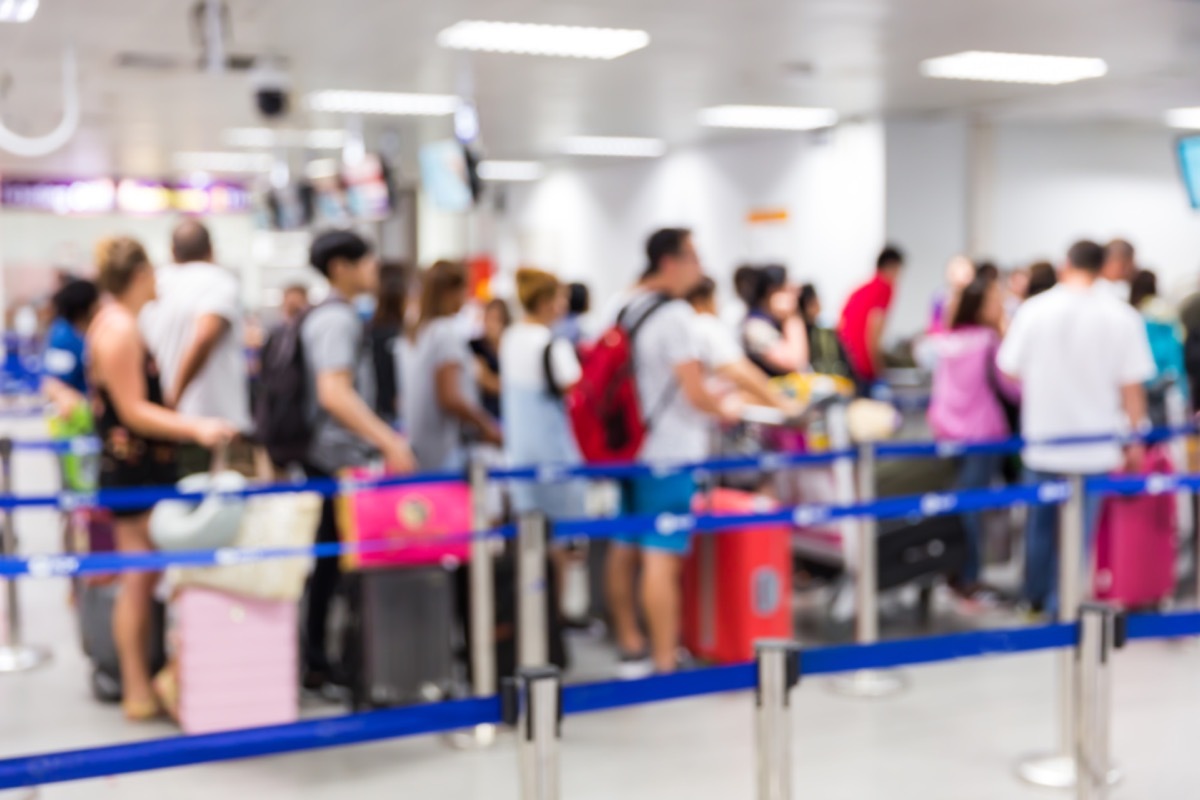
668,495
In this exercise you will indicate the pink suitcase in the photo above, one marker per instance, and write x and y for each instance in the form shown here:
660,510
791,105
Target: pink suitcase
1135,544
419,525
236,659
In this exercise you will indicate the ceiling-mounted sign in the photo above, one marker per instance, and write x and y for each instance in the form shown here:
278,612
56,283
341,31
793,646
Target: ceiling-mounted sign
126,196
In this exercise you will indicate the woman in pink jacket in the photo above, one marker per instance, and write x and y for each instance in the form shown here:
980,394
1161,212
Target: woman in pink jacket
968,400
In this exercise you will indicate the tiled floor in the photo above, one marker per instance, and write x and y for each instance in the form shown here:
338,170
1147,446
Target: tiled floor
954,734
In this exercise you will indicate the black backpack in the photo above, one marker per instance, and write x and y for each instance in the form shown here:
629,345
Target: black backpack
281,409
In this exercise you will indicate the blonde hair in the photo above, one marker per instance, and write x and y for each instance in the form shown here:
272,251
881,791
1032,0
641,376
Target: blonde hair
118,261
534,287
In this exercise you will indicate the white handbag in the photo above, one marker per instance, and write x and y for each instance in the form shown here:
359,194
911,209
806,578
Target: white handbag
211,523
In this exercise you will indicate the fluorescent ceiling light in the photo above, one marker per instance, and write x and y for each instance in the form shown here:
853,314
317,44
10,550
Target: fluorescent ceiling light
17,10
510,170
321,139
397,103
775,118
1186,118
222,162
542,40
977,65
619,146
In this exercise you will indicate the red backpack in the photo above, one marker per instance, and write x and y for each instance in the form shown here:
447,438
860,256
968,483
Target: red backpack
604,409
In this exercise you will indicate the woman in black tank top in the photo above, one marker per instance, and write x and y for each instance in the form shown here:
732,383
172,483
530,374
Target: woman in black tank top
138,435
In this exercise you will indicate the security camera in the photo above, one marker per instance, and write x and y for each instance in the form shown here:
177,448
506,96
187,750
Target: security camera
272,91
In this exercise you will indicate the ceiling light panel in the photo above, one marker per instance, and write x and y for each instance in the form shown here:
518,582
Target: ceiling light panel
509,171
562,41
340,101
615,146
775,118
222,162
17,10
321,139
1185,118
976,65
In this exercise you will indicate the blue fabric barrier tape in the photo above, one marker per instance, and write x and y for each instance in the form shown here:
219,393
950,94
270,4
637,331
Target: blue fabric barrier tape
255,742
1163,626
766,462
582,699
1143,484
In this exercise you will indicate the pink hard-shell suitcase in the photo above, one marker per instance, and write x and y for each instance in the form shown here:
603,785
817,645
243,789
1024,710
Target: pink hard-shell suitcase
409,525
1136,542
236,660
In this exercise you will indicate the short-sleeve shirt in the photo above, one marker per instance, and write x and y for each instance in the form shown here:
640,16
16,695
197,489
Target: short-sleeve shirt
64,355
437,437
665,341
718,346
333,338
1073,349
185,293
874,295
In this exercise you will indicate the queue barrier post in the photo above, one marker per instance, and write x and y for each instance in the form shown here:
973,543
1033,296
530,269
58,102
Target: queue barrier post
778,672
533,706
867,683
15,655
1101,632
532,607
481,579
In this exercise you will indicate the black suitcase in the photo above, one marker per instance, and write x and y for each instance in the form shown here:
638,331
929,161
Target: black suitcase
910,550
96,603
400,636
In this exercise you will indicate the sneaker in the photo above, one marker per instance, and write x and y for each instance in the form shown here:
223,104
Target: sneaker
634,666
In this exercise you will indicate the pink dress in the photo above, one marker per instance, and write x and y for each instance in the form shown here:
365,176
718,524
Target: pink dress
964,406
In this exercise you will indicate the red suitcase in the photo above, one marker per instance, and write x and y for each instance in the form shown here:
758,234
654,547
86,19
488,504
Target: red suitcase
737,585
1136,542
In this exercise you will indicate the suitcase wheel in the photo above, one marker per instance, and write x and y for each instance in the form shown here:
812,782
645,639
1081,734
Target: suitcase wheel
105,687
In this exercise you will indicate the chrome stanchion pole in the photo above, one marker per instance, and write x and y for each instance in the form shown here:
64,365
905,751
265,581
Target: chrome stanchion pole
539,729
778,672
533,623
867,683
482,581
15,655
1058,770
1101,631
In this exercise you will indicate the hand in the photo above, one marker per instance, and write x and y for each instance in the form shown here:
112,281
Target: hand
213,433
398,458
1135,458
730,409
66,403
493,435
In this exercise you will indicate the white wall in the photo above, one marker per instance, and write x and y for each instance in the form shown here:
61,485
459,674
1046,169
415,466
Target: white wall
1048,185
590,222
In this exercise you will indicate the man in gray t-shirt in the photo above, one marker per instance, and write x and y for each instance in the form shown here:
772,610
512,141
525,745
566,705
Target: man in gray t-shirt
341,397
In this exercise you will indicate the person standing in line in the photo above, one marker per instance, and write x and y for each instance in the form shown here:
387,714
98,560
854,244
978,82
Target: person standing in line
1120,265
579,303
968,404
826,354
677,408
345,431
194,331
773,334
486,349
1165,334
384,331
65,380
865,315
1081,358
1042,278
294,303
745,284
441,396
139,435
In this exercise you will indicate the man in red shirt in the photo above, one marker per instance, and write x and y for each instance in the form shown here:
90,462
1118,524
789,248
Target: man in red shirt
865,314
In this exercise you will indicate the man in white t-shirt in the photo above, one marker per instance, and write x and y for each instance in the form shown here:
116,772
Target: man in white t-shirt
678,409
1081,357
194,331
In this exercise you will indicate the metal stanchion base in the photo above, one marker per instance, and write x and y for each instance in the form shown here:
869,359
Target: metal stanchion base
1055,771
870,683
22,658
480,737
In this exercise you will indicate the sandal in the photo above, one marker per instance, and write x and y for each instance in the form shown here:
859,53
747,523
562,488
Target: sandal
141,711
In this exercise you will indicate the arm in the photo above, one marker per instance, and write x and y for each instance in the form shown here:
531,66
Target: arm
875,322
1133,402
489,381
690,375
117,355
450,399
336,395
210,328
751,380
64,398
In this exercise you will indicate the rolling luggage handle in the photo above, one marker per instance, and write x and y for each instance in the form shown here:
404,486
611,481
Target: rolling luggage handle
15,656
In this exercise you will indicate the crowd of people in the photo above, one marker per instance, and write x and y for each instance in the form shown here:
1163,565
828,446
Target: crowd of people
153,360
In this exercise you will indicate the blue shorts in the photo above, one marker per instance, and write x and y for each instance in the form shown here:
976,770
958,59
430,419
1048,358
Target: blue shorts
670,495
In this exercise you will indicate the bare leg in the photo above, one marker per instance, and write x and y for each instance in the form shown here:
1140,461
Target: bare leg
622,602
131,619
661,596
